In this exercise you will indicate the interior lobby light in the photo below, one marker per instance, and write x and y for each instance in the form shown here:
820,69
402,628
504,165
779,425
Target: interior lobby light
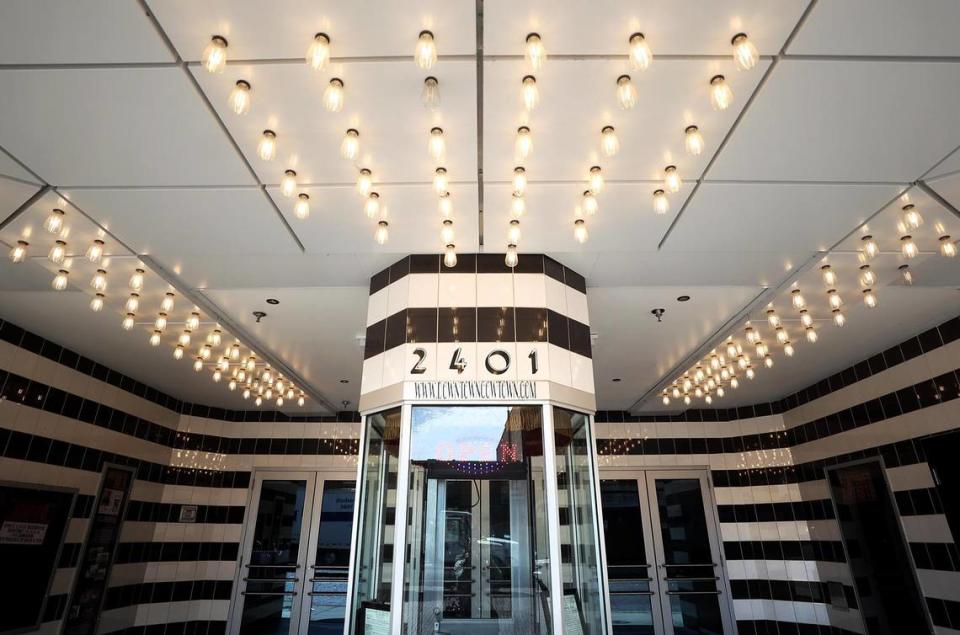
128,321
60,280
772,318
596,179
869,298
178,352
640,54
838,317
446,231
133,303
161,322
660,203
580,230
301,209
214,57
590,205
720,94
529,92
193,322
206,351
511,258
99,280
426,50
608,141
437,145
907,247
518,206
197,364
350,146
267,148
745,54
318,53
371,207
217,375
18,253
239,99
445,204
288,183
184,338
136,280
829,275
534,51
523,145
948,248
430,95
382,233
805,318
364,182
95,251
440,181
811,334
834,299
54,221
867,277
906,274
167,303
671,179
788,349
450,256
519,181
96,302
626,92
58,253
513,232
797,300
912,217
693,140
333,95
870,247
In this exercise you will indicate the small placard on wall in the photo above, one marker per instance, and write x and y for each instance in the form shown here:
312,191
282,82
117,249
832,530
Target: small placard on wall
188,514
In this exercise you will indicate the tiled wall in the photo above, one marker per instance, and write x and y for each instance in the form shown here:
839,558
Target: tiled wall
62,417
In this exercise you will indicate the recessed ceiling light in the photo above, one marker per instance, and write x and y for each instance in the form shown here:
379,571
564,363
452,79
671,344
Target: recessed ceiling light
617,380
683,298
273,301
344,381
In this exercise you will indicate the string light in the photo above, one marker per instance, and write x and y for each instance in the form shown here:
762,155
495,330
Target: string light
19,251
523,145
133,303
693,140
811,334
580,230
333,95
364,182
128,322
445,204
95,252
797,299
267,148
907,247
450,256
136,280
430,95
155,338
867,277
948,248
99,281
511,258
529,92
535,52
745,54
318,53
640,54
437,145
446,231
288,183
382,234
590,205
838,317
829,275
660,203
96,302
905,274
513,232
608,141
371,207
440,181
426,51
60,280
193,322
912,217
834,299
869,298
350,146
518,206
239,99
178,352
184,338
720,94
626,92
596,179
54,221
870,247
58,253
301,209
671,179
214,57
519,181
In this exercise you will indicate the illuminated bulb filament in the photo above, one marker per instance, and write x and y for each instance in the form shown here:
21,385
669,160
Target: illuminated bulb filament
907,247
60,280
745,54
720,94
671,179
450,256
288,183
511,258
693,140
371,206
513,233
535,52
523,145
608,141
364,182
425,53
19,251
58,252
440,180
95,251
54,221
382,233
626,92
318,53
240,101
333,95
590,205
529,92
640,54
301,209
519,181
214,56
596,179
580,230
661,205
948,248
267,148
437,145
350,146
430,95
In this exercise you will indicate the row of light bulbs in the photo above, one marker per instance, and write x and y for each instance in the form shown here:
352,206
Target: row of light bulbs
55,224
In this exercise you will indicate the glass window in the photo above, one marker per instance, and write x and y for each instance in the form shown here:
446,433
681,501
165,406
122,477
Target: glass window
378,495
477,549
579,536
328,583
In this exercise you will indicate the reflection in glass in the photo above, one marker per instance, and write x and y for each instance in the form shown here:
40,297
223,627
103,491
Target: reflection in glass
327,591
272,571
579,538
477,534
628,571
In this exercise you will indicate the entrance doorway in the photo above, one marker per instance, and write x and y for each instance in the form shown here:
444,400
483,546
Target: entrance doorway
296,554
663,554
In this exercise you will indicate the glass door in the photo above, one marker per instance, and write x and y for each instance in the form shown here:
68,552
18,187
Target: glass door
663,554
296,518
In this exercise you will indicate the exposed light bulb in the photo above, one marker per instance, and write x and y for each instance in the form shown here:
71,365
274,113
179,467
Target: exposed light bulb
640,54
19,251
666,400
750,372
608,141
371,207
95,252
54,221
382,234
58,253
166,304
437,145
440,180
912,217
333,95
805,318
760,349
214,57
513,232
523,145
788,349
734,383
288,183
686,400
693,140
869,298
870,247
948,248
782,337
768,361
450,256
772,318
318,53
720,94
136,280
518,206
519,181
193,322
128,321
235,351
675,392
251,364
529,92
60,280
96,302
161,322
99,281
590,205
534,51
796,298
301,209
350,146
811,334
133,303
745,54
660,203
197,364
626,92
751,334
217,375
267,148
206,351
446,231
232,385
155,338
829,275
364,182
834,299
671,179
580,230
184,338
258,401
905,274
596,179
178,352
430,95
240,101
426,51
907,247
867,277
511,258
445,204
838,317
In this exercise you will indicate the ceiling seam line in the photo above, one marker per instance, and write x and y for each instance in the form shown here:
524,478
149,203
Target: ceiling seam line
935,195
42,181
24,206
480,60
938,164
736,123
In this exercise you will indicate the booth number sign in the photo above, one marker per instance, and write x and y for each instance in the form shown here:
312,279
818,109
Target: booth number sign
497,362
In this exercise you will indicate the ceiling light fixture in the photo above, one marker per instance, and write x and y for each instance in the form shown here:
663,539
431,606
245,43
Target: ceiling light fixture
95,251
518,206
214,57
426,51
446,231
596,179
333,95
288,183
870,247
523,145
155,338
193,322
267,148
440,180
350,146
519,181
907,247
905,274
19,251
692,140
720,94
805,318
660,203
838,318
529,92
99,280
197,364
869,298
301,209
184,338
513,232
128,322
867,277
948,248
535,53
671,179
161,322
437,145
239,99
772,318
382,234
54,221
450,256
829,275
640,54
511,258
745,54
580,230
318,53
364,182
58,253
96,302
445,204
608,141
834,299
626,92
60,280
811,334
132,303
371,207
430,95
797,299
590,205
912,217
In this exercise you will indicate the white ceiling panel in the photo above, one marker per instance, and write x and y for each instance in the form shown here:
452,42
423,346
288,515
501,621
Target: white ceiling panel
323,356
949,188
67,32
880,27
846,121
284,28
12,195
337,223
633,346
950,165
604,28
797,218
578,98
10,168
114,127
382,102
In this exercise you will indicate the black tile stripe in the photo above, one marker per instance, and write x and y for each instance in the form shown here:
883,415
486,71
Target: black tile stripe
193,627
808,550
149,511
773,627
787,591
772,512
938,556
137,552
157,592
944,612
918,502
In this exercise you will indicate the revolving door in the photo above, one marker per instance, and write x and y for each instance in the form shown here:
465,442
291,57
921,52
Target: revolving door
501,528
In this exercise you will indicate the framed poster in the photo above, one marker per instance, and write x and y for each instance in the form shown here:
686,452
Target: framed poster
33,523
